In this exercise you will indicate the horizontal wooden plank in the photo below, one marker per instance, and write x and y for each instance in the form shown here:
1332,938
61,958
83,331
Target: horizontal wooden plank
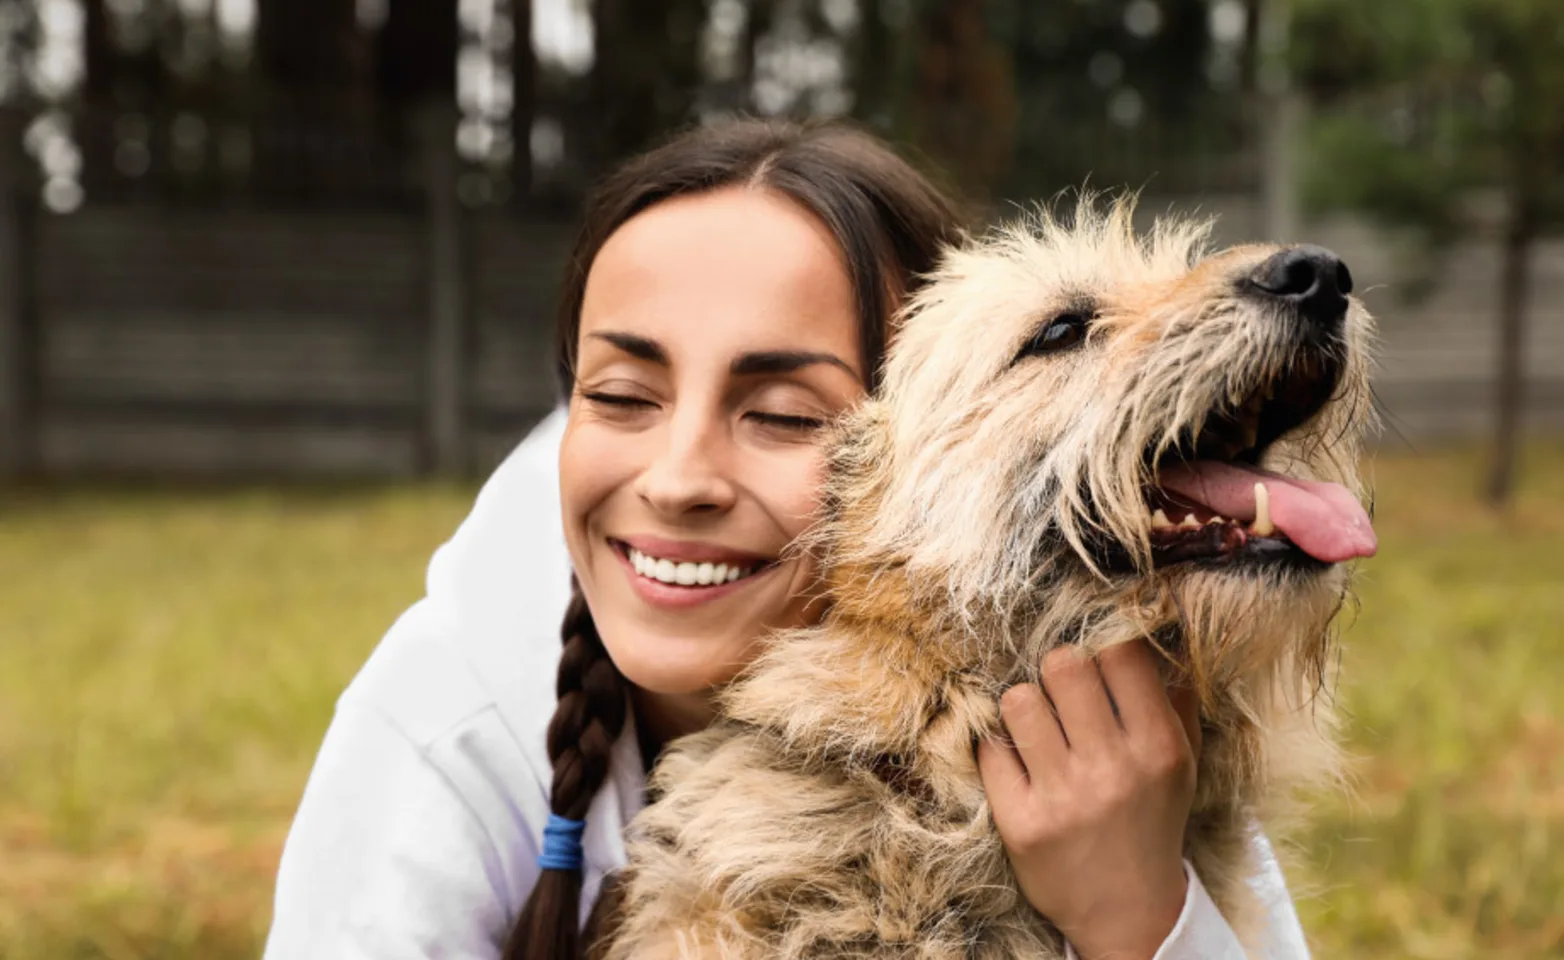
76,445
254,355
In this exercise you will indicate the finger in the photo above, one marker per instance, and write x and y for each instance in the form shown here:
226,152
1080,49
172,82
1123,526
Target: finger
1010,793
1004,777
1034,729
1186,703
1080,699
1130,671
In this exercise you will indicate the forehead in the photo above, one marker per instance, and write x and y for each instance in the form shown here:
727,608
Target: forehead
727,270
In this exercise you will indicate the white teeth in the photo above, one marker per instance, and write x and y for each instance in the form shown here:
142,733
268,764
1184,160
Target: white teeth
685,573
1216,519
1159,520
1262,527
1190,523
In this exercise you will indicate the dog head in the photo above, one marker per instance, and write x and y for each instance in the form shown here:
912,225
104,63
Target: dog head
1077,422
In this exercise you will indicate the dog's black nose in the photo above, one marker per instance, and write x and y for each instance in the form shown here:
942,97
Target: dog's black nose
1312,278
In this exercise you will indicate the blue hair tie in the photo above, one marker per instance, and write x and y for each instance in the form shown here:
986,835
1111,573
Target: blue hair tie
561,843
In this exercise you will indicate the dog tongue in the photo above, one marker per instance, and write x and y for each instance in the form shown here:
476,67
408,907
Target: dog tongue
1323,520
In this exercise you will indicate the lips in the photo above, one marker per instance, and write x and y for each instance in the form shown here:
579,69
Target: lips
678,573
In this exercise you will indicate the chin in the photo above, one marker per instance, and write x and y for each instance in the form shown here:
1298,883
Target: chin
675,666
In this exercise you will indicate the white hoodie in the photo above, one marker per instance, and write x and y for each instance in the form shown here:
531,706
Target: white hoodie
420,826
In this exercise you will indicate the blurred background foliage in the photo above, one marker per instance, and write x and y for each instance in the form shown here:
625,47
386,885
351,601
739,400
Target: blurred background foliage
998,91
274,240
994,89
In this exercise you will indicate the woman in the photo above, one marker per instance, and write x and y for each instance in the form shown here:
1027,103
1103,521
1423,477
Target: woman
729,294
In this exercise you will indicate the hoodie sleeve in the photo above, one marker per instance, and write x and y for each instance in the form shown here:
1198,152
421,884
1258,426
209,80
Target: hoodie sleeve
385,859
1202,933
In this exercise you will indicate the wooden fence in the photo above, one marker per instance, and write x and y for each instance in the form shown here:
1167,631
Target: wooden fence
199,339
245,341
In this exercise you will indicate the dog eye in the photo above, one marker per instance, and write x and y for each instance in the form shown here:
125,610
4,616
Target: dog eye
1061,333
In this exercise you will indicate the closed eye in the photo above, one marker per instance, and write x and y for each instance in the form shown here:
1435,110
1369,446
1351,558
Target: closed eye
788,421
615,399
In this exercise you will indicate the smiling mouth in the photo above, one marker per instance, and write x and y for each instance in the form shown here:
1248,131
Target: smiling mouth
693,574
1213,504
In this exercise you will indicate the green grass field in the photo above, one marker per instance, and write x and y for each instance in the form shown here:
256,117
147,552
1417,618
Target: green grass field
169,660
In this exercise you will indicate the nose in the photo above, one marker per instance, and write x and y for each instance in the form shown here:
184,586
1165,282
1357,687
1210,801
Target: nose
1311,278
686,476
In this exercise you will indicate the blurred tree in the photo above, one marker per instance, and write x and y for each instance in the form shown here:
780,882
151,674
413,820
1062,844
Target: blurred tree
963,103
876,66
524,99
1084,69
646,72
415,52
1435,104
126,54
98,51
415,73
307,49
1249,53
759,16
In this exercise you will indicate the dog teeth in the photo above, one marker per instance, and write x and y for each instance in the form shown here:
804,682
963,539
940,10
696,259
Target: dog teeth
1263,527
1159,520
1190,523
1216,519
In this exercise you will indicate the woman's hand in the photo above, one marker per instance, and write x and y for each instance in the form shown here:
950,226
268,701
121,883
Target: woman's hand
1092,806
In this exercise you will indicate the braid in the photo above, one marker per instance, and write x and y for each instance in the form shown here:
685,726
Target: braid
593,700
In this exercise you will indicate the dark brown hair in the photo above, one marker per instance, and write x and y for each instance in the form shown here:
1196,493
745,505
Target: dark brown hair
890,222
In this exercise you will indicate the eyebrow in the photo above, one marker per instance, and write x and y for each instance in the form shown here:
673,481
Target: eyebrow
757,363
784,361
639,347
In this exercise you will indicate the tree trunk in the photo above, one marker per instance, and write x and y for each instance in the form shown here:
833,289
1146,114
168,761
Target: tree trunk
1249,54
965,99
524,101
415,52
1514,286
99,52
874,70
1279,117
645,71
310,48
756,25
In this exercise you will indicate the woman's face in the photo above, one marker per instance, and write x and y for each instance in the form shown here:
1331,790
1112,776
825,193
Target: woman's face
718,335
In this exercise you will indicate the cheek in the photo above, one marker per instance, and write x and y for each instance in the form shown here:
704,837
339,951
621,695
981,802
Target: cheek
788,489
591,467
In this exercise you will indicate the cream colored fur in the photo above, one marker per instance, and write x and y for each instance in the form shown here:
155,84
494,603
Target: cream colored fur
838,812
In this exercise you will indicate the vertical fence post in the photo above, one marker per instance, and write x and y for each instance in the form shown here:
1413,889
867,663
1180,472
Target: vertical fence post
445,369
17,354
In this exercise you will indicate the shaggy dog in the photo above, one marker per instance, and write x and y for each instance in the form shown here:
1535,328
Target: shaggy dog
1084,437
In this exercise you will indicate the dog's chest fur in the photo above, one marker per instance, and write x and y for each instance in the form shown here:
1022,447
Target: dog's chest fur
839,812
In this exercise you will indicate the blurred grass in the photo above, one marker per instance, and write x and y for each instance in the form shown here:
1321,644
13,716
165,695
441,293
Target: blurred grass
169,660
168,664
1453,680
